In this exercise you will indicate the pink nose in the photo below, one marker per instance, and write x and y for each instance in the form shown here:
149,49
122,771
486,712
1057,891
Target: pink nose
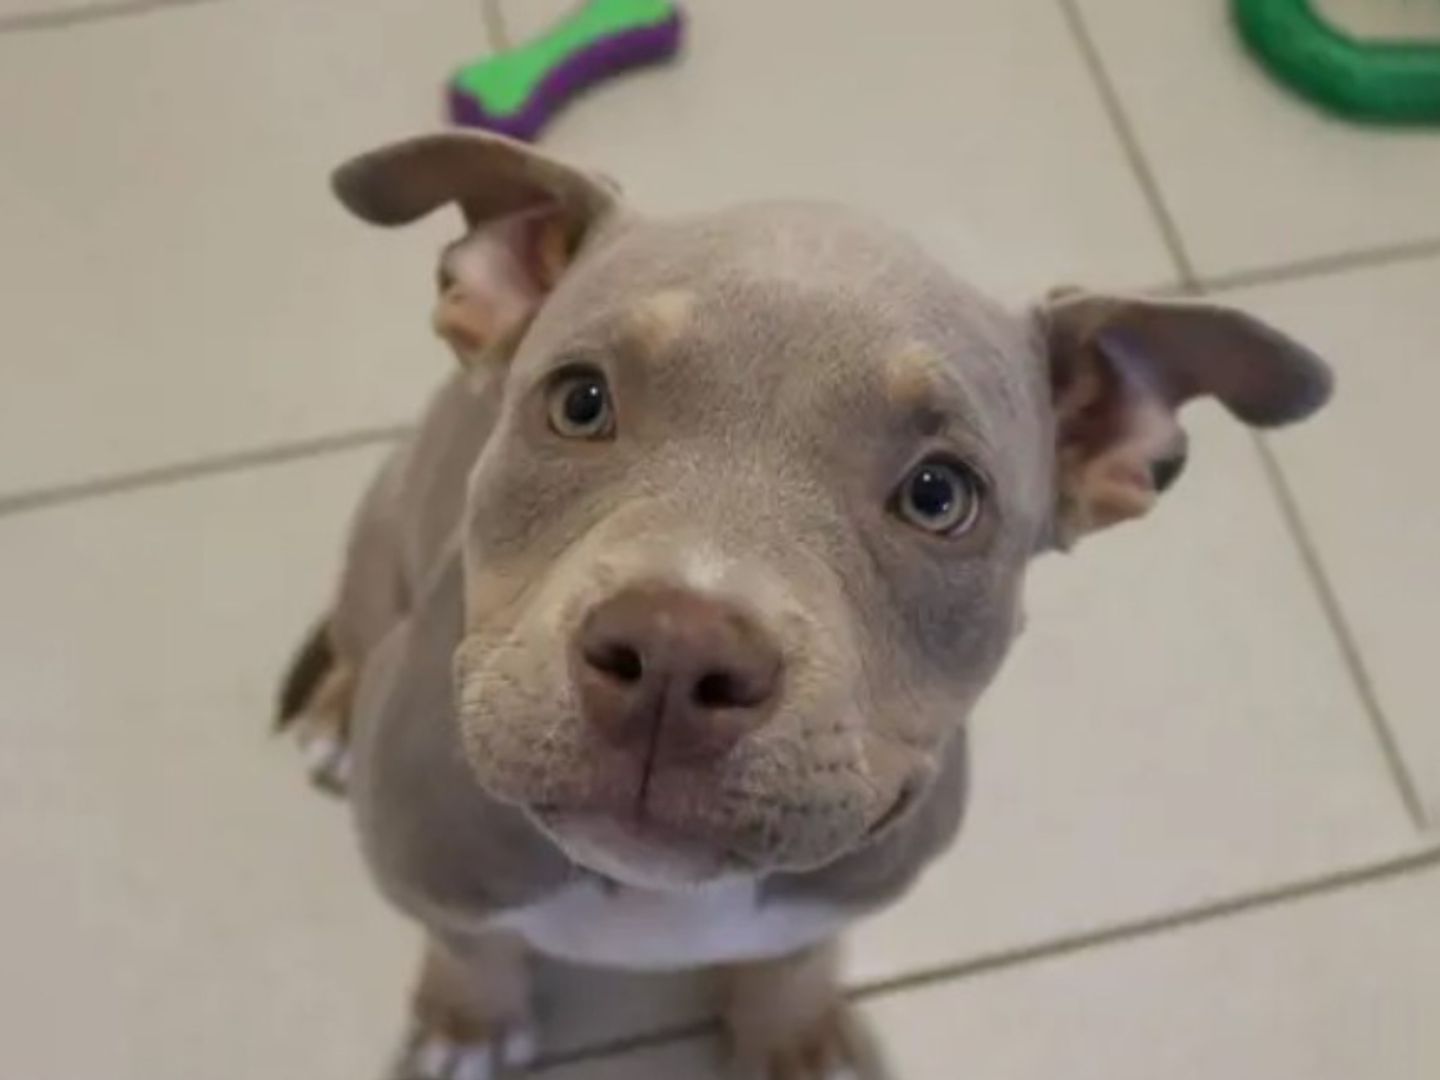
670,672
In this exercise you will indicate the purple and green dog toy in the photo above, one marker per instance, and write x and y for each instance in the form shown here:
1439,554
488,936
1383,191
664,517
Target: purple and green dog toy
517,91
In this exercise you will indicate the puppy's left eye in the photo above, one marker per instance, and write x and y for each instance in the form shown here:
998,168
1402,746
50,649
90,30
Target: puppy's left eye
579,405
940,496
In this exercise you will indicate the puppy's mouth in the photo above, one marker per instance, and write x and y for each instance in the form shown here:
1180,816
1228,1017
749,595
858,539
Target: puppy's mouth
668,828
643,842
635,818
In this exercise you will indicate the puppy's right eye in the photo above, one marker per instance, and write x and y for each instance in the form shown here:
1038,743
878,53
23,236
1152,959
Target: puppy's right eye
940,496
579,405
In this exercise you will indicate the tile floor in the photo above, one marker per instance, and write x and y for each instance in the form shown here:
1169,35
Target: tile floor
1206,834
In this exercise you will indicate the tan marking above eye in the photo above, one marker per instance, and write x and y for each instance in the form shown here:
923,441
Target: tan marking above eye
659,319
913,377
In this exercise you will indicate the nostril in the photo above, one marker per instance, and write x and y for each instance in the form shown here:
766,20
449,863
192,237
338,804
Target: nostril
717,690
725,690
616,659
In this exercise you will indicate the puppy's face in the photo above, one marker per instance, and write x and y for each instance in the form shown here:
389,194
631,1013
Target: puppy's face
746,542
748,538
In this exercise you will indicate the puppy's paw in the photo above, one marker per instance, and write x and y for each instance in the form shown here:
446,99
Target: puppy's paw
435,1056
326,754
321,726
315,699
825,1050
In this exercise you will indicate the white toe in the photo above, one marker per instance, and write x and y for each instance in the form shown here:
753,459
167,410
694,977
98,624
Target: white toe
321,751
520,1047
433,1057
477,1063
340,766
327,760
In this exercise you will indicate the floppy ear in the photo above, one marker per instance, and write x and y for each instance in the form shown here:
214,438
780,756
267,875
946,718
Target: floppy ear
1121,368
526,214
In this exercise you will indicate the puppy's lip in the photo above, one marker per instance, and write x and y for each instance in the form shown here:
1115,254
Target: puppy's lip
614,845
648,828
641,828
659,822
894,811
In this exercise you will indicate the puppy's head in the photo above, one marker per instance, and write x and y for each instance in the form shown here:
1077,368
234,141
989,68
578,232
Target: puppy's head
748,538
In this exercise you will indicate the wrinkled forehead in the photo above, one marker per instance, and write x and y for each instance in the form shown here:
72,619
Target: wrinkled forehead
798,336
770,307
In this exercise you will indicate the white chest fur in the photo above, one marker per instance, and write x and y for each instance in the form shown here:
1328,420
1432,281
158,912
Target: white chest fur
651,930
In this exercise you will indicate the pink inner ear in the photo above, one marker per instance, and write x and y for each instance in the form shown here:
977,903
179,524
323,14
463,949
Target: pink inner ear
494,278
1114,426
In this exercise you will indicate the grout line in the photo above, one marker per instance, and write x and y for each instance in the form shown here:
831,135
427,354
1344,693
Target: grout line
180,472
1334,614
1129,141
1326,265
497,27
24,21
1191,284
1425,859
1301,270
1311,562
1344,638
1331,608
627,1045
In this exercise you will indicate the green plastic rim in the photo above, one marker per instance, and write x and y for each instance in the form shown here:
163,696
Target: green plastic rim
1394,82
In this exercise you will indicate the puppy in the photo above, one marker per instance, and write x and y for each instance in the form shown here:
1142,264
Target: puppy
656,641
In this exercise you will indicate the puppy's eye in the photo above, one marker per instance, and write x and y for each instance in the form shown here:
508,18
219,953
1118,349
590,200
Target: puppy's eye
579,405
940,496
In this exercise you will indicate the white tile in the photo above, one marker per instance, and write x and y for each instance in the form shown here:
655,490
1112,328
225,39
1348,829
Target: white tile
1328,988
704,1057
1253,175
973,125
176,902
527,19
177,279
13,9
1391,20
170,880
688,1059
692,1059
1175,726
583,1008
179,283
49,15
1366,482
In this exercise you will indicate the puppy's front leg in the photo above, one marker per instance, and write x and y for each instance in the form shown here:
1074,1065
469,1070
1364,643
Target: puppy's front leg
788,1019
472,1011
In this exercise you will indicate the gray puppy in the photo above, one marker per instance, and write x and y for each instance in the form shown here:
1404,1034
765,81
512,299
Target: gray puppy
656,641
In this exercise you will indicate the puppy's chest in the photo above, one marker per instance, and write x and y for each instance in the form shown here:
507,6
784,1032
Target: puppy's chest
587,923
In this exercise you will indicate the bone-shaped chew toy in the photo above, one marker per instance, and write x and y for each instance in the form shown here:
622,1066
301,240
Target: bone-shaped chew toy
517,91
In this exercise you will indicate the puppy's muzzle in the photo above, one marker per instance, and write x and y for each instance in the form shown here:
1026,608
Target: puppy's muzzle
674,675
